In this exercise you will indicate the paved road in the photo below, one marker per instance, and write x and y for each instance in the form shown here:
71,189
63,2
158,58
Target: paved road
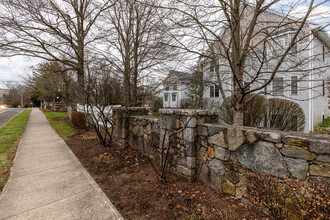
47,181
9,113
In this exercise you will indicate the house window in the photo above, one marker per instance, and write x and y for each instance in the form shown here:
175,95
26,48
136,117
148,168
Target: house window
167,87
278,47
278,86
173,97
212,69
211,91
294,85
265,89
165,97
211,66
175,87
214,91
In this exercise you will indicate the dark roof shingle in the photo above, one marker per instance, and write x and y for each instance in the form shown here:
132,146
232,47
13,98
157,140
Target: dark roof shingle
182,76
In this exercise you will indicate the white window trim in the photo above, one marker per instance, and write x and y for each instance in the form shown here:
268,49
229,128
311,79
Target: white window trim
166,95
297,86
176,97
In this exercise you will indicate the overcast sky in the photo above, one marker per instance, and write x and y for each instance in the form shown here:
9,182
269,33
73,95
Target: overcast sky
14,68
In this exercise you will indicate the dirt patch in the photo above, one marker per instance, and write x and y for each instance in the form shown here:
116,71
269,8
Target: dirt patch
129,180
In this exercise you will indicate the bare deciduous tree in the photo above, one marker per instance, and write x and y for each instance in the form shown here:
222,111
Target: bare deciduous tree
100,92
137,43
53,80
51,30
244,43
18,94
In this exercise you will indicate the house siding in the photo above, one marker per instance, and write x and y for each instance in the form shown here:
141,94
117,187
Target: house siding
310,85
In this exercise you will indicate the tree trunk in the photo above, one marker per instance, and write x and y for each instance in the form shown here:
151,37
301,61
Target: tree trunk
238,67
134,94
127,95
238,115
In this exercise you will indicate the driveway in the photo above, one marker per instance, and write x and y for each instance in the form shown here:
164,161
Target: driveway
7,114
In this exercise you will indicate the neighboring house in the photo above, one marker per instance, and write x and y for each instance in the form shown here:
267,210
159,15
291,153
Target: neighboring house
303,83
175,89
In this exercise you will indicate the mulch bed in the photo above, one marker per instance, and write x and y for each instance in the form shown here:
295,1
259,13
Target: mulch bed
131,183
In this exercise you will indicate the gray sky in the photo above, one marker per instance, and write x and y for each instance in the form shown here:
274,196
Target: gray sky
13,68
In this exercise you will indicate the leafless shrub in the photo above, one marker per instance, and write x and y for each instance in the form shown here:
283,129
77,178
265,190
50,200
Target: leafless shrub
99,94
78,120
289,198
285,115
254,111
273,113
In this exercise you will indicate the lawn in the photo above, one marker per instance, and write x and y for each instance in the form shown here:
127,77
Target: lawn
10,135
57,121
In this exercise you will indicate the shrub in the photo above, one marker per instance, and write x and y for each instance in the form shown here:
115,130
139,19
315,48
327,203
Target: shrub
285,115
158,104
272,113
210,103
325,123
78,120
255,111
289,198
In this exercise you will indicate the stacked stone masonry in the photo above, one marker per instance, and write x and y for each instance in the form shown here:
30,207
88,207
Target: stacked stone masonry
220,155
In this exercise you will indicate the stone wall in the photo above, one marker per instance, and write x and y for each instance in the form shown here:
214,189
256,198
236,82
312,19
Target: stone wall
220,155
225,153
178,127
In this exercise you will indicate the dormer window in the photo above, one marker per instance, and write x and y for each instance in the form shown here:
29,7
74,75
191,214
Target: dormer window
175,87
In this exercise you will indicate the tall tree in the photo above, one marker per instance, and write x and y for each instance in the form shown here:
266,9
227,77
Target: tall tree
236,37
53,30
137,43
51,80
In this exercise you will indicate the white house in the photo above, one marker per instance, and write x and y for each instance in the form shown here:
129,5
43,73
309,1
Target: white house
304,83
175,89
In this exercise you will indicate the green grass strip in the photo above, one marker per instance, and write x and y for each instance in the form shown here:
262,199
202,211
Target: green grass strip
10,134
61,128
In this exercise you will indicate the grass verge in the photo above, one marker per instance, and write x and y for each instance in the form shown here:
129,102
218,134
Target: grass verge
61,128
10,135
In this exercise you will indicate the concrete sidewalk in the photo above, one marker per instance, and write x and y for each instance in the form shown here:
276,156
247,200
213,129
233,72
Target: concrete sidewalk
48,182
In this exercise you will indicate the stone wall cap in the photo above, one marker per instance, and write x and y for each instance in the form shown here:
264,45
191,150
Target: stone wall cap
191,112
131,108
147,117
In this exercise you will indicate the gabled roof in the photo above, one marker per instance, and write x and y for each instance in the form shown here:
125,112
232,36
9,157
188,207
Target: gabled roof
182,76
